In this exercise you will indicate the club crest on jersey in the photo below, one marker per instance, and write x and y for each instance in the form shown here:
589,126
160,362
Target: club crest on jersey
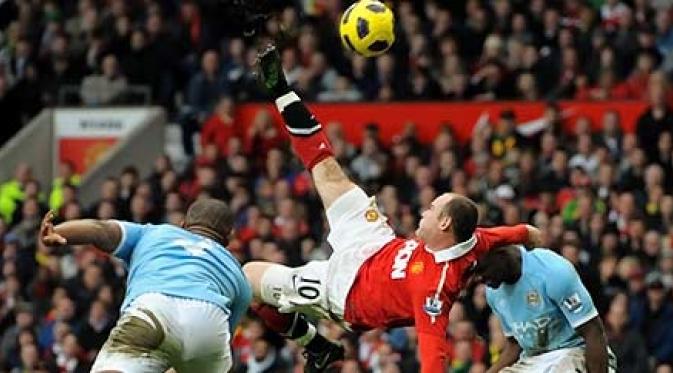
371,215
433,307
416,268
533,298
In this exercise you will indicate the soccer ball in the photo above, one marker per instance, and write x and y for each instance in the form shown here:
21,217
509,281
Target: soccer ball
367,27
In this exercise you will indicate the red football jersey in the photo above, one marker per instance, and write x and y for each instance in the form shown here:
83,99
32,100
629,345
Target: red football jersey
405,284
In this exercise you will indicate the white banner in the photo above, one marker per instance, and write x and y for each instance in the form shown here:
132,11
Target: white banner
112,122
83,136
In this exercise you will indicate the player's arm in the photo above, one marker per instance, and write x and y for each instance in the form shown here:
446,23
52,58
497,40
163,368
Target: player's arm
574,301
105,235
433,351
521,234
596,351
433,347
512,349
534,236
510,354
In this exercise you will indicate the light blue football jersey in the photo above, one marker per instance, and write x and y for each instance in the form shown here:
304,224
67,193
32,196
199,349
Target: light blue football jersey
543,308
172,261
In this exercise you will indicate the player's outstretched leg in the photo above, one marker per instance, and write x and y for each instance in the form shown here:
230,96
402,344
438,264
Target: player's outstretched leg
268,281
306,134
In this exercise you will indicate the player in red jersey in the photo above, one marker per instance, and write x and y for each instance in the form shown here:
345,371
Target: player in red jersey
373,279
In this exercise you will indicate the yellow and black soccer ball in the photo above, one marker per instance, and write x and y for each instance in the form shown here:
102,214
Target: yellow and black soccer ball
368,27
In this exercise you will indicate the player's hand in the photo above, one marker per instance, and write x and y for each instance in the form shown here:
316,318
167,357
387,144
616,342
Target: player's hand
270,72
47,234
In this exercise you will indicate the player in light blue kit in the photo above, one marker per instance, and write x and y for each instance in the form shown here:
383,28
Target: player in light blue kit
546,313
185,291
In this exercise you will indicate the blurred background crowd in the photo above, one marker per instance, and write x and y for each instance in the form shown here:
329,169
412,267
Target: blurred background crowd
180,54
603,199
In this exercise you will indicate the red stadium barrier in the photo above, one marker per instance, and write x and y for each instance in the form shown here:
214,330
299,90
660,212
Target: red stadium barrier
462,117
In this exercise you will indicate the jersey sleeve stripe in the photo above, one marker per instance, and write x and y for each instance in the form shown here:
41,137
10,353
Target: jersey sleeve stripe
123,239
577,323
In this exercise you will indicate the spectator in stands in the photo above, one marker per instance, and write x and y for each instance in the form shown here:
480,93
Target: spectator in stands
264,358
638,82
658,118
11,192
128,182
627,344
8,104
23,320
66,175
93,332
204,90
30,360
20,60
652,314
343,91
105,88
141,63
220,127
72,357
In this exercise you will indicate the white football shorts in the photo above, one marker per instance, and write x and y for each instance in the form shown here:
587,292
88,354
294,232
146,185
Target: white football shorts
358,230
565,360
157,332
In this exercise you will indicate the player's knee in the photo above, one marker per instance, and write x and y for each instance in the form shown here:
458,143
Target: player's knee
268,280
253,272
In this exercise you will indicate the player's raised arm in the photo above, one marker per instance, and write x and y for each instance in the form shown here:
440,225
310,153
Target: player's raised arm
105,235
521,234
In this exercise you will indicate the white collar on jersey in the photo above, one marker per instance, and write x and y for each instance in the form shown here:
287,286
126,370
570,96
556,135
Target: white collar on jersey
453,252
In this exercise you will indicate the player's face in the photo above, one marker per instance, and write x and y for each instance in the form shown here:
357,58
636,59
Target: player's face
430,223
490,276
496,268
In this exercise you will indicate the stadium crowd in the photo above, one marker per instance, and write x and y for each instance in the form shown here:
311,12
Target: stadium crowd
461,50
603,199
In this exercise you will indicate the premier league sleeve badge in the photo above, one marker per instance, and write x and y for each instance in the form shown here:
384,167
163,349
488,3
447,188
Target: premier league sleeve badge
433,307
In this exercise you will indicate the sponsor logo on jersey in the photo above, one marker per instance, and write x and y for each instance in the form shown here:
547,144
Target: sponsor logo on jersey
402,260
573,303
533,298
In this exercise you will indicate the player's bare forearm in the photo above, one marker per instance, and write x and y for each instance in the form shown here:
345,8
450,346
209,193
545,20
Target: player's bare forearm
510,354
105,235
596,350
534,236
